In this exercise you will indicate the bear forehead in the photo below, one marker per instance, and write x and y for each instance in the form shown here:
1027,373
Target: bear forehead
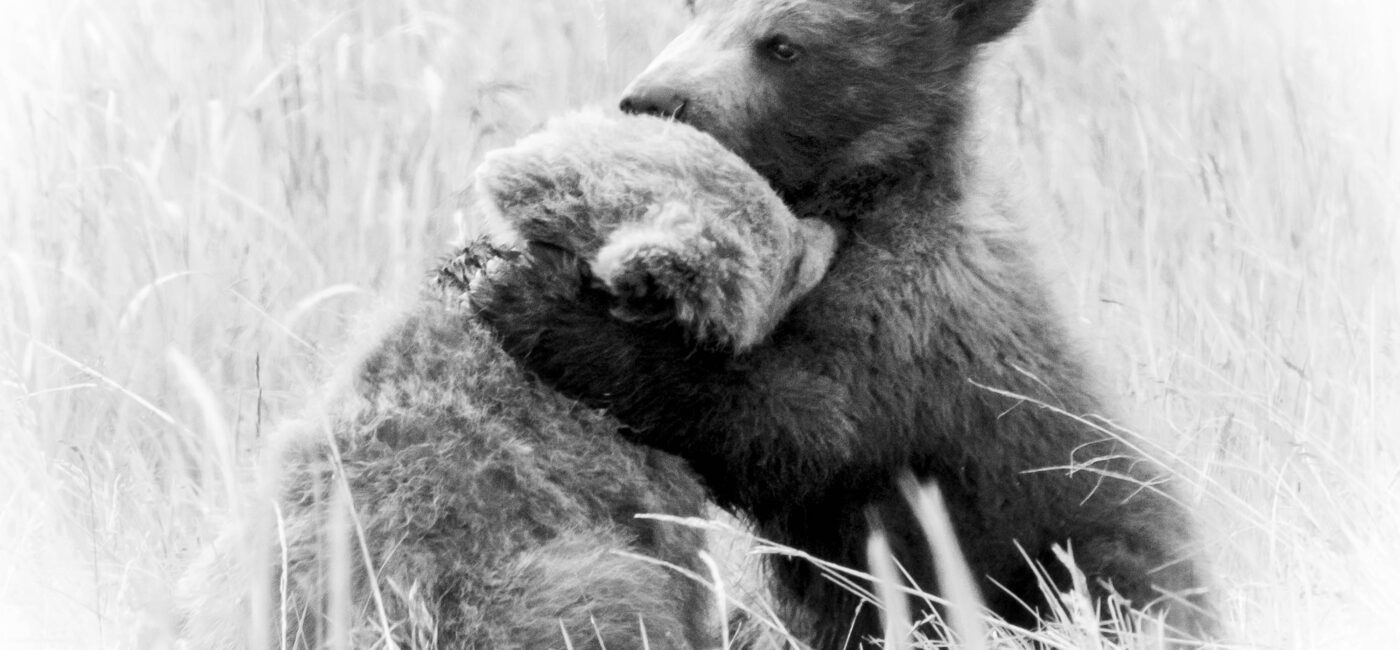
793,17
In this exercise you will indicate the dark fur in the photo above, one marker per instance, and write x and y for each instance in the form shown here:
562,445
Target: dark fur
889,363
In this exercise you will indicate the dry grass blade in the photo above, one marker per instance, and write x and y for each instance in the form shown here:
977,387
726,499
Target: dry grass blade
966,613
894,604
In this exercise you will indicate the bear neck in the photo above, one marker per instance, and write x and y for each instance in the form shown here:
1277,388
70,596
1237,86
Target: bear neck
930,172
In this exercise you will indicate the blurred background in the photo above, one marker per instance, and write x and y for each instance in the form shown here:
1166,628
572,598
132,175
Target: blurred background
198,199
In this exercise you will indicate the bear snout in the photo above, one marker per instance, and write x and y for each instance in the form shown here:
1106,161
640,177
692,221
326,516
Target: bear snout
656,101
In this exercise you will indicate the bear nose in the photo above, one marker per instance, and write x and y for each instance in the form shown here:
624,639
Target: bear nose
660,102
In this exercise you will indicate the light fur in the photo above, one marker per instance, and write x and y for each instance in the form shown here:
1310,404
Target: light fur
662,212
437,496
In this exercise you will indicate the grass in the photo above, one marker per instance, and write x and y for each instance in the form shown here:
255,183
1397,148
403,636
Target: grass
200,198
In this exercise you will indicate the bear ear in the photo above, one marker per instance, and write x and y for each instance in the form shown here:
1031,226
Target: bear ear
984,21
506,178
526,174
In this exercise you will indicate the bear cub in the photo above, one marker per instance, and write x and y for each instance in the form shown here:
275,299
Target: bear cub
440,496
931,346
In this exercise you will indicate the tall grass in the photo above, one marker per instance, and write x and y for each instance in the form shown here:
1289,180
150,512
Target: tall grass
199,198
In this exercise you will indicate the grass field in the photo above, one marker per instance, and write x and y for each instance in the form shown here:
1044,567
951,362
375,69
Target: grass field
199,198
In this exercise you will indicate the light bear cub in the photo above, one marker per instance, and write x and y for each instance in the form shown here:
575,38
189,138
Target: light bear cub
437,496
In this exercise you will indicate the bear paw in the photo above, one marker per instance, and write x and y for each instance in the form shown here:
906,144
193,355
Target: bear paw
477,260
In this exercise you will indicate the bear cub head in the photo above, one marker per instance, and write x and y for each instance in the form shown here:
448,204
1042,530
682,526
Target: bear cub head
661,218
814,92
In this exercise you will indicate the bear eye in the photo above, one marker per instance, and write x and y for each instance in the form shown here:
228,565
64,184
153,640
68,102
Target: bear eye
782,49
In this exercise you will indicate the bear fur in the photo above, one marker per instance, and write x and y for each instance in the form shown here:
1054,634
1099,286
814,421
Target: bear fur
694,235
493,512
932,346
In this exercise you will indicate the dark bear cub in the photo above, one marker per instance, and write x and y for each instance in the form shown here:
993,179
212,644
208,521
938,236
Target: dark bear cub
931,346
